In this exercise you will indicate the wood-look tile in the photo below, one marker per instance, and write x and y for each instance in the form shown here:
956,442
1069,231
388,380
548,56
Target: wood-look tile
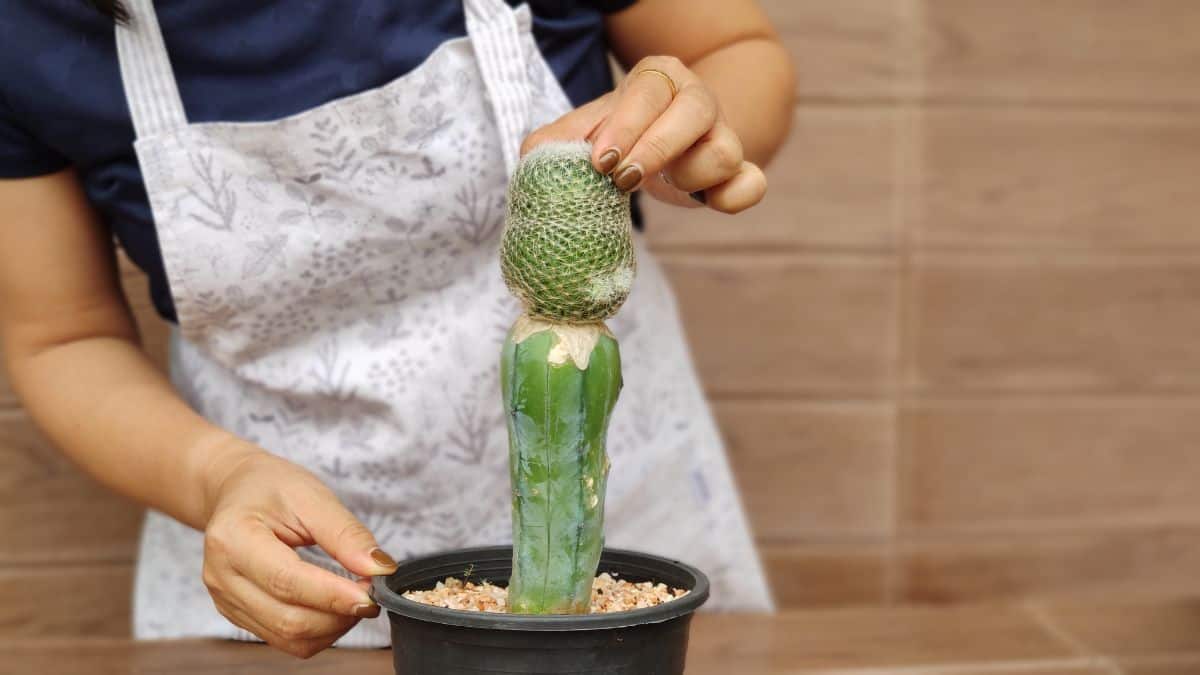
1169,664
52,512
827,575
831,186
1128,629
1067,563
1051,323
1018,464
898,637
1011,177
65,601
171,657
811,469
1076,666
1066,50
773,324
846,49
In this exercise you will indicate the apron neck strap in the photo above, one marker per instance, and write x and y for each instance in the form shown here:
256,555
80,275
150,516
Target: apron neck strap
496,32
150,88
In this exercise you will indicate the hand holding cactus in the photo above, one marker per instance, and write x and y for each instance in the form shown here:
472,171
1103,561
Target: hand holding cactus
663,130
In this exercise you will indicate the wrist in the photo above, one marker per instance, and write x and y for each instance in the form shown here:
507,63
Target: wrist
210,460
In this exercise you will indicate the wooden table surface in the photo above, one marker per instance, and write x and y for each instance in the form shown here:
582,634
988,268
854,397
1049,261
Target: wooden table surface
1138,635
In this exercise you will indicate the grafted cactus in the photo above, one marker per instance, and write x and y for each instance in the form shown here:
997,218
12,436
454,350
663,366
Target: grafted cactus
567,255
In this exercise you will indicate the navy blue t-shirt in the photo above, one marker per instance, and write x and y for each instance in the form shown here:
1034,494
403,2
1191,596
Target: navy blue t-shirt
62,102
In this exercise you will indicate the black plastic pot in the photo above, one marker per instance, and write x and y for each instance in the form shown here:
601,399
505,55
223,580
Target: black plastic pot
430,640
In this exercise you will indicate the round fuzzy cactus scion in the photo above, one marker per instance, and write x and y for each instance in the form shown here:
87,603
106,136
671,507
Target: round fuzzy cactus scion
567,251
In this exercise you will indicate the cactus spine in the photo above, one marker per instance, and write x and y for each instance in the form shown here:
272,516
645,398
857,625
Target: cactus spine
567,255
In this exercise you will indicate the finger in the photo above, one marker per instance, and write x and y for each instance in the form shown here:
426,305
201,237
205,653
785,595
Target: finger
577,125
342,535
689,117
291,622
739,193
301,648
642,99
715,159
663,191
275,568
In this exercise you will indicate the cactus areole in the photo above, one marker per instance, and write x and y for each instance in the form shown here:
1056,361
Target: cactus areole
567,254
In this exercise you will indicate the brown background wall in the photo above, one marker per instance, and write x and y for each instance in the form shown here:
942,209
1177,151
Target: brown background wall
954,354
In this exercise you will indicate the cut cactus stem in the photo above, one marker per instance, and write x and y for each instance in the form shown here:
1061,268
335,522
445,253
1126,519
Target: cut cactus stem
560,383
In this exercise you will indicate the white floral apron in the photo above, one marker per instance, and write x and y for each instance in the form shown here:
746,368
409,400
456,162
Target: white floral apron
340,304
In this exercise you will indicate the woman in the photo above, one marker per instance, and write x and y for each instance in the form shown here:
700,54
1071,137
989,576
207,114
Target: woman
315,191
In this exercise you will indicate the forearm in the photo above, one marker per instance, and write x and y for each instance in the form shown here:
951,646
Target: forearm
102,402
754,81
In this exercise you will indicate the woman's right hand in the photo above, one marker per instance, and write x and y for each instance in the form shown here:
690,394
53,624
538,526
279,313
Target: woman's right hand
262,507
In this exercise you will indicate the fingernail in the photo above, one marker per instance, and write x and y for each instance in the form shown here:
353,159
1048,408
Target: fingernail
609,160
700,196
628,178
366,611
382,559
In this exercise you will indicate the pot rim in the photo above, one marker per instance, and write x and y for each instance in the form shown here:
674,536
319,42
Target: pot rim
624,562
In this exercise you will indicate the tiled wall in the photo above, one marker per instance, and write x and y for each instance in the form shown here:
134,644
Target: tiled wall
954,353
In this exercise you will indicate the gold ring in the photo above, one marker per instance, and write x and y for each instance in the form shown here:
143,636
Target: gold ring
670,82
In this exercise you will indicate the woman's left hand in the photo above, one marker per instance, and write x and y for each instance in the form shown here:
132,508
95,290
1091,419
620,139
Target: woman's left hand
662,130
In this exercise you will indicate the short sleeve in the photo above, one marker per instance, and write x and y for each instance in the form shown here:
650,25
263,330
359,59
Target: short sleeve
613,6
21,154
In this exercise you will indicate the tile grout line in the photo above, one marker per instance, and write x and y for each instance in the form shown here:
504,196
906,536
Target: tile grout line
1165,660
969,536
12,565
1065,254
905,179
997,102
945,397
999,667
1113,254
1046,622
57,566
983,529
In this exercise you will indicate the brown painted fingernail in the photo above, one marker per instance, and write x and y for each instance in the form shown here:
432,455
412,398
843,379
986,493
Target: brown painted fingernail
366,611
629,178
609,160
700,196
383,559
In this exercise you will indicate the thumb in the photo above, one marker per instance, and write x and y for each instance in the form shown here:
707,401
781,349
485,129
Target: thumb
577,125
340,534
